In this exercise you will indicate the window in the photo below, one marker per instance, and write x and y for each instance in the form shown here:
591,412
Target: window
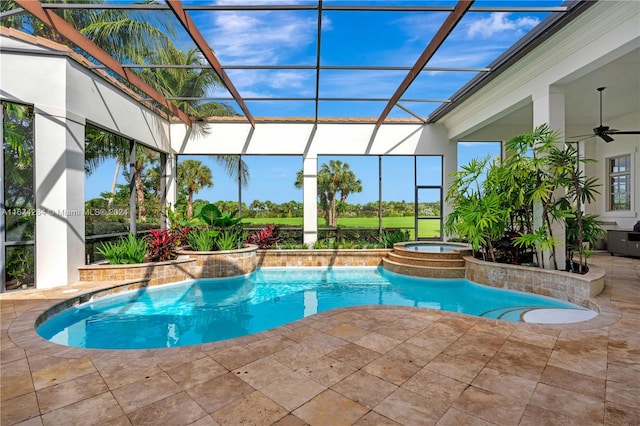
620,183
18,218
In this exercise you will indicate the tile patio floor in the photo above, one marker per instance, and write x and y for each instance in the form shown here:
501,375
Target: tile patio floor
361,366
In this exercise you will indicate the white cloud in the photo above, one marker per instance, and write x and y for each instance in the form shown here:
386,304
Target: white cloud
498,23
261,37
269,83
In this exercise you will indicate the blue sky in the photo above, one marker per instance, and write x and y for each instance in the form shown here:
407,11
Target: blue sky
348,39
355,39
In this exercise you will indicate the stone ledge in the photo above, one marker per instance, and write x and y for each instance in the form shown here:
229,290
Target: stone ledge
321,258
567,286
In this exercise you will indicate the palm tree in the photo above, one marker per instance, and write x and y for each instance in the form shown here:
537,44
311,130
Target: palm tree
193,176
186,82
132,36
335,178
127,35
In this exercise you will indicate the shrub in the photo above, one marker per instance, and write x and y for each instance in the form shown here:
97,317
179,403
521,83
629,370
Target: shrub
388,237
125,251
202,239
264,238
231,238
163,244
319,244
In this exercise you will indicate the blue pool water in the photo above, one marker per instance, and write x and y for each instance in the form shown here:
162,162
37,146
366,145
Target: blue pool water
207,310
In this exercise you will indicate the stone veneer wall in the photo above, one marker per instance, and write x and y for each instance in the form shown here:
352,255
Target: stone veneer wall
230,263
574,288
210,264
327,257
156,273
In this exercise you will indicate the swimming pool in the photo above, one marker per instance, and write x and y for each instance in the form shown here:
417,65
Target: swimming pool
207,310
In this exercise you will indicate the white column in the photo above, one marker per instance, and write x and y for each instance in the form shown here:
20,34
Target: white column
59,194
171,181
449,165
548,107
310,199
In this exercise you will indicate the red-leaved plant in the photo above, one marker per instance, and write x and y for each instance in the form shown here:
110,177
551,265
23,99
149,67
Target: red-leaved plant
163,243
264,238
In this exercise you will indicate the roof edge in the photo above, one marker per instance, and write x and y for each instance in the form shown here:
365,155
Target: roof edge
534,38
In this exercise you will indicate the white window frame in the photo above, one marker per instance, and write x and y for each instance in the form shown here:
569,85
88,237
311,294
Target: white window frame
610,175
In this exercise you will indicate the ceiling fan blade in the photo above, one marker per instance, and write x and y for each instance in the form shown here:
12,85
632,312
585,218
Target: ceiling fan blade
605,137
623,132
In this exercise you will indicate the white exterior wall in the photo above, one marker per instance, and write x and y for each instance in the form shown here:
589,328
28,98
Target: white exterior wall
65,97
36,78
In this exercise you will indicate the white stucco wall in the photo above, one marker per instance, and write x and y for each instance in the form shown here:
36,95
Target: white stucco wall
48,79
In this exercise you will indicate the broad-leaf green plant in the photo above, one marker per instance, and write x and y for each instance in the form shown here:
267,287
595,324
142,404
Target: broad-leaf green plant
211,215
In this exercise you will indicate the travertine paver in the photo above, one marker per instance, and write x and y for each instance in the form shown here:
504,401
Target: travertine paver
352,366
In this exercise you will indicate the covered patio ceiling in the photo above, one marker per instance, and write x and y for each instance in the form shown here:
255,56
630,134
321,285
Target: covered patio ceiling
381,61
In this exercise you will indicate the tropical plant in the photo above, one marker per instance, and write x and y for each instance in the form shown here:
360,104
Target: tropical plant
163,243
479,215
184,82
19,267
265,238
336,181
127,35
388,237
493,204
127,250
319,245
193,176
581,238
347,244
202,239
580,190
211,215
18,147
231,238
176,220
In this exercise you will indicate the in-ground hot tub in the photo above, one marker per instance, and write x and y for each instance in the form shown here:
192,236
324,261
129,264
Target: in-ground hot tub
428,259
431,247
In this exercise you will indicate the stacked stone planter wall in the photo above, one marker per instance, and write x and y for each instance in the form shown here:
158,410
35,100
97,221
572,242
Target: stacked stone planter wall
574,288
156,272
293,258
217,264
212,264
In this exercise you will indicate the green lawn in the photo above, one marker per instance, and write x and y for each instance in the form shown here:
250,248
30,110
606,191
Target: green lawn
347,222
430,228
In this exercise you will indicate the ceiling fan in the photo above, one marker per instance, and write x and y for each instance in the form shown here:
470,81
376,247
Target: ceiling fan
604,132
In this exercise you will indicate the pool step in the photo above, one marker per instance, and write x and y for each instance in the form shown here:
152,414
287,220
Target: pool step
407,258
422,270
419,260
